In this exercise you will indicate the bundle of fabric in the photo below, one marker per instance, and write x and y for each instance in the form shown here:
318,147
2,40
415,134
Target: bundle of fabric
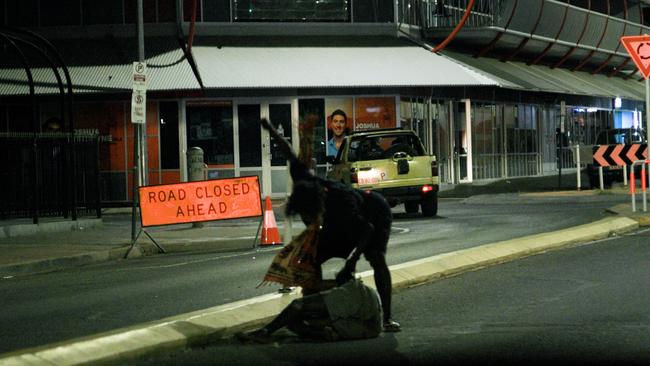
295,264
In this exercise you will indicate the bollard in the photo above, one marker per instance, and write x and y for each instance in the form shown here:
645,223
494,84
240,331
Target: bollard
196,170
578,169
600,178
643,186
632,191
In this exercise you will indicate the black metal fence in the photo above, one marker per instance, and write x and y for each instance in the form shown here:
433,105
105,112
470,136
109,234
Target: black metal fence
49,174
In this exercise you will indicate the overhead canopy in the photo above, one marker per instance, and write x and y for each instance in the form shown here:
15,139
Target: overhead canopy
331,67
556,80
101,66
105,66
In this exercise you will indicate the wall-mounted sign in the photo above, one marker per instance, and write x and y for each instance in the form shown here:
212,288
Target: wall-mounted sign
374,112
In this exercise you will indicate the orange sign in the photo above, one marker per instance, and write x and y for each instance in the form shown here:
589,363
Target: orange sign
205,200
374,112
639,49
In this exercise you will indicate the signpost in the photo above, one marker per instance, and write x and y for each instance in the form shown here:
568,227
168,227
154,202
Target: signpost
139,94
638,47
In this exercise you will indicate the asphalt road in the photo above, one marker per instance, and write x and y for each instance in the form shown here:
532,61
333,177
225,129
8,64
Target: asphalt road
584,305
47,308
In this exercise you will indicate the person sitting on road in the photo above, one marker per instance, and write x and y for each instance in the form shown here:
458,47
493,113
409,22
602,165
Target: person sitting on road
354,222
349,311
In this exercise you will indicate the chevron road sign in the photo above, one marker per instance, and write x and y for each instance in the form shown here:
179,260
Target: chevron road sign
619,155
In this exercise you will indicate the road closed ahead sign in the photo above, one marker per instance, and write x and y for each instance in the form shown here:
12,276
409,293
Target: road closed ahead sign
206,200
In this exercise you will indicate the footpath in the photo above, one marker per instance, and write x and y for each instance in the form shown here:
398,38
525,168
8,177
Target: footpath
57,244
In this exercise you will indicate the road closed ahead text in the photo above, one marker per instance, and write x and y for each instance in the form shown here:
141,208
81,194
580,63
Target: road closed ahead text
200,201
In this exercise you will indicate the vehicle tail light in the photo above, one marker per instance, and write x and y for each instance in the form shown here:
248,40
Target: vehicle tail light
434,168
354,177
427,188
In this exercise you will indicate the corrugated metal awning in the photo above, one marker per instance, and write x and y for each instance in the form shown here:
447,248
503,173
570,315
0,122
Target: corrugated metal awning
332,67
105,67
557,80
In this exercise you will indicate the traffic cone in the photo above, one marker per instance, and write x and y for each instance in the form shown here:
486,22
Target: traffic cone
270,232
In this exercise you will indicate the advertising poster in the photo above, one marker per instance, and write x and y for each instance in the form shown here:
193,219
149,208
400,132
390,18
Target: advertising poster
374,112
332,104
337,131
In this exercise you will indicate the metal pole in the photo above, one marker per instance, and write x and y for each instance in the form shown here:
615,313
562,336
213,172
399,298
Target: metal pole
137,169
578,165
142,127
632,191
647,109
643,186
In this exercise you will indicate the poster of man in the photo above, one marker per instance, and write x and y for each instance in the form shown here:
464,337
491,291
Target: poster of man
339,122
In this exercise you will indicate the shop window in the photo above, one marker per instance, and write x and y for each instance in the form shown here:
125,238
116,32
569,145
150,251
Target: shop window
3,14
291,10
168,122
102,12
60,12
280,116
380,11
4,126
20,119
250,137
315,108
210,127
216,11
187,10
131,11
22,13
166,11
374,112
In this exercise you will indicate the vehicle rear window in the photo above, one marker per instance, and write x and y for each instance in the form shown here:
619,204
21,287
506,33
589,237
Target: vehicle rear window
384,147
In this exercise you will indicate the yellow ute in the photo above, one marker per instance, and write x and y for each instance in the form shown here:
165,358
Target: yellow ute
392,162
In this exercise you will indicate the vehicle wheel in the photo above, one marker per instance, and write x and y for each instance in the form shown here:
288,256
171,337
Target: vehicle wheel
429,205
411,207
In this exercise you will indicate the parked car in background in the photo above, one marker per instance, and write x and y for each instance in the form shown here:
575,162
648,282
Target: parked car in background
612,137
392,162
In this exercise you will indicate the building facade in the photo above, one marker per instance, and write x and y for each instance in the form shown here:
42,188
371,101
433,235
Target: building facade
493,87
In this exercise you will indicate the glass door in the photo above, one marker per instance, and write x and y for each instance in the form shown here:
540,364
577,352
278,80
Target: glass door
463,142
259,154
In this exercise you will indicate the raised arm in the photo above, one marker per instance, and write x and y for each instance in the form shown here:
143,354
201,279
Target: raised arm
284,145
298,170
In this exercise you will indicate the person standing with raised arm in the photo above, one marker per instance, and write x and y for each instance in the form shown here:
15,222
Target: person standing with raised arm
353,223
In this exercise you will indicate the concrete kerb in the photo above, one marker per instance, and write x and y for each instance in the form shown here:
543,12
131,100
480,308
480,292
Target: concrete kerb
223,321
45,227
208,239
53,264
